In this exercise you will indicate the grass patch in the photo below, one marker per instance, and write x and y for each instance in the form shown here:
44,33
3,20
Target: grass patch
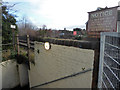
21,58
23,52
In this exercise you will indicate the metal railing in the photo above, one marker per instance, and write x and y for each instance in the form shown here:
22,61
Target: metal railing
109,66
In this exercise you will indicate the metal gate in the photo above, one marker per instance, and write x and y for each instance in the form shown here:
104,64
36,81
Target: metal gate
109,67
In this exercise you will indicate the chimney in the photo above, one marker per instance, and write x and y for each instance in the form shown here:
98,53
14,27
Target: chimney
64,28
119,3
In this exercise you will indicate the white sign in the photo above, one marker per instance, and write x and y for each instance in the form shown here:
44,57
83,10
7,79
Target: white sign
13,26
47,45
102,14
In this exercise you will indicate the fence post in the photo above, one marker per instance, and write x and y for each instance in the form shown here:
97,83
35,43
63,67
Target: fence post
17,44
28,49
101,60
28,46
13,38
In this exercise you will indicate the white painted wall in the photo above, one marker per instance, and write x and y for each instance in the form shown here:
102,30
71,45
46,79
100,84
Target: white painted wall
58,62
0,77
13,74
10,77
23,75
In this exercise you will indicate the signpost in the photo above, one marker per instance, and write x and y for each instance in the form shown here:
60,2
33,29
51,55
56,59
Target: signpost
13,27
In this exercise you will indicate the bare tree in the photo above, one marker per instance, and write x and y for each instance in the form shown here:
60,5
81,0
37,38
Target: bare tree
44,27
26,27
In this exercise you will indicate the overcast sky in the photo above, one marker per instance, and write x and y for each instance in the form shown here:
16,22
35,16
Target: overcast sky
59,14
